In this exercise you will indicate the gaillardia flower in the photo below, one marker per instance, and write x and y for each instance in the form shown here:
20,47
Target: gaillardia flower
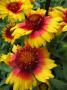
42,28
7,34
56,11
61,13
14,8
64,17
29,66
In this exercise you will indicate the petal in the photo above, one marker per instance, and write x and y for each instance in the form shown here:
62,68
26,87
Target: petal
10,79
64,28
19,83
14,49
44,75
53,25
5,58
50,63
38,41
44,72
47,36
20,32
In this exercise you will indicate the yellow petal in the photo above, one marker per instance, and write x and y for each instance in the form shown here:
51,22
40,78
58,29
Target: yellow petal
44,75
64,28
50,63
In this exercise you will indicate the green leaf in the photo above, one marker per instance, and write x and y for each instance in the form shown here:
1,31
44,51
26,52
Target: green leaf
5,87
60,85
65,70
4,67
36,5
4,22
2,82
20,40
62,2
58,72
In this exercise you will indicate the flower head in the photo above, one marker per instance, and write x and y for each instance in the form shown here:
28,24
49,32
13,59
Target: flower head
61,13
14,8
29,66
7,34
64,17
56,11
42,28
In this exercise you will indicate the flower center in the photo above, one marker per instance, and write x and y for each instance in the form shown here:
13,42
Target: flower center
27,59
25,56
14,7
35,22
8,33
65,16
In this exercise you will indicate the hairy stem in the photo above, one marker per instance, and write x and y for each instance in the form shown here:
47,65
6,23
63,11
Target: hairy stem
47,5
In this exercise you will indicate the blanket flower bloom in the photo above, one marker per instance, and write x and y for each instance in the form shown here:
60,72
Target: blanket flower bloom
14,8
64,17
42,28
56,11
62,13
7,34
29,66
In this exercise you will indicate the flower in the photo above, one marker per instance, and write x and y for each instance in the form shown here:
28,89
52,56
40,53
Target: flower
42,28
7,34
14,8
56,11
64,17
29,66
61,13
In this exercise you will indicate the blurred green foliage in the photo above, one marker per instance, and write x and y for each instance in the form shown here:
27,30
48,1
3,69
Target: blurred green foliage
58,50
41,3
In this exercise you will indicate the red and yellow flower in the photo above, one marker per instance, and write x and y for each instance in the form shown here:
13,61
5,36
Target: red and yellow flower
56,11
64,17
62,13
7,34
14,8
42,28
29,66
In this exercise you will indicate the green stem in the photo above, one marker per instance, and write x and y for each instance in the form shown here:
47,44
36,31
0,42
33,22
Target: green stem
47,5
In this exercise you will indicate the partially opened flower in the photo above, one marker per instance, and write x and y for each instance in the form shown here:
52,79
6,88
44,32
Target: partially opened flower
62,13
64,17
14,8
42,28
7,34
56,11
29,66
